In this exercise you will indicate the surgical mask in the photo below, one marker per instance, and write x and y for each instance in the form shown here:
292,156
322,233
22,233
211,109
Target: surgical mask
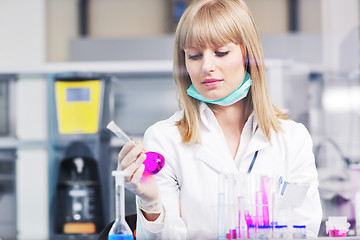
240,93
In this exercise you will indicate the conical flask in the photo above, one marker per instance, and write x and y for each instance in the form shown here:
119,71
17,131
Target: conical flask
120,229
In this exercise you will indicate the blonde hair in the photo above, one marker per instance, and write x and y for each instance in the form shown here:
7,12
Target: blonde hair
215,23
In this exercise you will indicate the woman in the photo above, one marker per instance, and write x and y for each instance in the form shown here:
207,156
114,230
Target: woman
227,125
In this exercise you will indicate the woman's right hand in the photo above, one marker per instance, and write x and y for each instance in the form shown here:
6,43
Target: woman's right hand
130,160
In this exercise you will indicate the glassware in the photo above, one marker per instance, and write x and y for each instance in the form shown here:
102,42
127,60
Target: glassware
299,231
120,230
154,162
337,226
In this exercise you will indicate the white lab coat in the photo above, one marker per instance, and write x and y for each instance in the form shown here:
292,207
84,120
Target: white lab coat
188,182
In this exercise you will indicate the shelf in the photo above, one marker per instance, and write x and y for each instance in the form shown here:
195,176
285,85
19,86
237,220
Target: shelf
158,66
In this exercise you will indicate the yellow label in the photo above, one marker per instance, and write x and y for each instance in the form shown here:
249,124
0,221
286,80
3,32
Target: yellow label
78,106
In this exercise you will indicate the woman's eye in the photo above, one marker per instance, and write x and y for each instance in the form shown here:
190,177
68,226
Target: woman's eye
194,57
221,54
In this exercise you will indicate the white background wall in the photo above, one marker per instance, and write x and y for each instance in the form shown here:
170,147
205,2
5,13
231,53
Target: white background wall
23,42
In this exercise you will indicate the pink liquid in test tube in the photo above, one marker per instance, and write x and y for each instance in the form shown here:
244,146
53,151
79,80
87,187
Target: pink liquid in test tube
266,183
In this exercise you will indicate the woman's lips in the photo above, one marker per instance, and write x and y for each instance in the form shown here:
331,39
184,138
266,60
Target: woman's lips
211,82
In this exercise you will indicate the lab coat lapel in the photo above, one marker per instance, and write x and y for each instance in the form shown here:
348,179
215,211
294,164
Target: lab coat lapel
257,143
258,140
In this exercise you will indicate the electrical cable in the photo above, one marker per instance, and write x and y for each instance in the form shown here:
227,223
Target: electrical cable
346,159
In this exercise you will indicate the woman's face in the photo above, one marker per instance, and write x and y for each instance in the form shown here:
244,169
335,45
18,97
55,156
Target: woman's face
215,73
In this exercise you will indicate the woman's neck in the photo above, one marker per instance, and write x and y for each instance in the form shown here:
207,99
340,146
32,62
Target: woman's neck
231,120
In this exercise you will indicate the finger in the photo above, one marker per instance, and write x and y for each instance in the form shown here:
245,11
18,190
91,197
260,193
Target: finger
138,174
133,167
131,155
125,150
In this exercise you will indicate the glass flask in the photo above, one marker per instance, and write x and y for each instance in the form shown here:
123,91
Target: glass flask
154,161
120,230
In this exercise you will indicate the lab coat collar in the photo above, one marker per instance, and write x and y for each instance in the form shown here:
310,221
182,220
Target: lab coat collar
207,151
258,140
205,114
212,139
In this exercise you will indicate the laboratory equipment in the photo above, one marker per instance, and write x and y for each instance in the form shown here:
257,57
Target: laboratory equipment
154,162
264,232
8,194
78,199
281,232
221,216
79,186
8,157
252,232
337,226
357,212
299,231
120,229
253,206
243,226
78,106
7,108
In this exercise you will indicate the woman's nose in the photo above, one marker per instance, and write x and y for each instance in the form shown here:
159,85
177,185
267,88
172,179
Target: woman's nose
208,63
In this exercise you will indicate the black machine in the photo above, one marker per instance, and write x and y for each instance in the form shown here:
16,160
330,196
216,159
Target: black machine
80,187
78,198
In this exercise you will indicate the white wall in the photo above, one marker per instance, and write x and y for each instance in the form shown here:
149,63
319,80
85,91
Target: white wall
340,22
22,31
23,42
32,160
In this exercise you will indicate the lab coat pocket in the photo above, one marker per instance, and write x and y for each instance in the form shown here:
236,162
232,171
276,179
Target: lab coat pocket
293,194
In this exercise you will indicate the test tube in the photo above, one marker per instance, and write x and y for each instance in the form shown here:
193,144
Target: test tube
259,209
243,228
252,231
266,187
282,232
154,161
264,232
299,231
221,208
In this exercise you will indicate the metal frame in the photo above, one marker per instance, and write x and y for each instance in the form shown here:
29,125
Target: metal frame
10,79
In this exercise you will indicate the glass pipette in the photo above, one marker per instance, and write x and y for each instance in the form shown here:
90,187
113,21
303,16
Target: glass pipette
154,161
